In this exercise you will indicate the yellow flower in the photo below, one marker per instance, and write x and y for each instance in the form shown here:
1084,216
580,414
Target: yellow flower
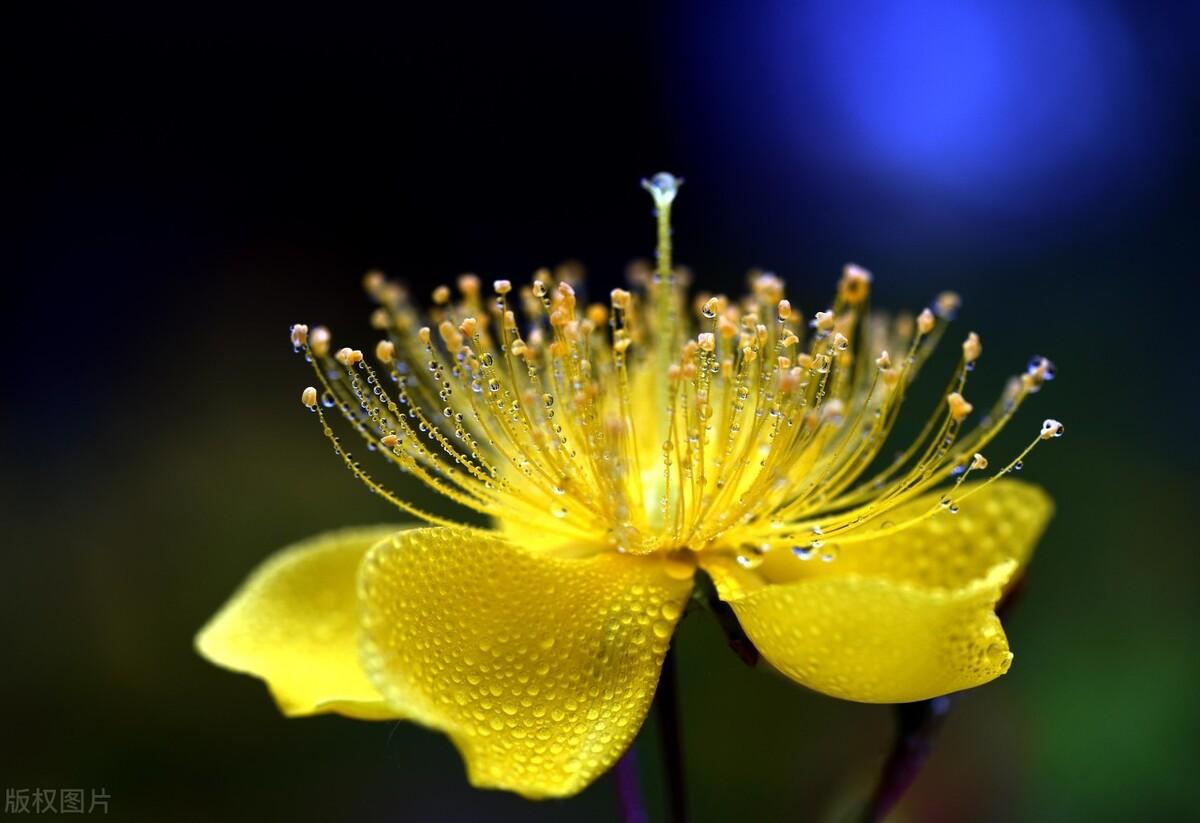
617,448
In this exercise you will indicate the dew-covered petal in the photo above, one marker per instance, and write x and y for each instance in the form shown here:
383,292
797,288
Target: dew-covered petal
294,624
874,640
539,667
901,617
1000,522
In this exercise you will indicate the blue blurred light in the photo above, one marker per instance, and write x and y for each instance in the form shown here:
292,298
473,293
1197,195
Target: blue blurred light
1025,108
974,96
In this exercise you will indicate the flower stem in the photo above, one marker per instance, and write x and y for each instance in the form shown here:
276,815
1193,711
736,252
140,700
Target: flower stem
918,724
667,699
629,788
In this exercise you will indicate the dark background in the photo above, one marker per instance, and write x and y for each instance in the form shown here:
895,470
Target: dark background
185,183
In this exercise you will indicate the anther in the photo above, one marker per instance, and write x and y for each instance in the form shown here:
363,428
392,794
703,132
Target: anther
309,397
1051,428
318,341
707,341
502,286
959,407
441,295
785,309
468,327
423,334
925,321
380,319
385,351
972,348
855,285
824,321
468,284
620,299
884,360
373,282
299,335
979,462
946,304
389,440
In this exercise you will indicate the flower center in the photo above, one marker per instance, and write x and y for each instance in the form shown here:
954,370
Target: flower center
646,423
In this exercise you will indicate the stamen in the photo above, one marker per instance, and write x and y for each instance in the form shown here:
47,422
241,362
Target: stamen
636,426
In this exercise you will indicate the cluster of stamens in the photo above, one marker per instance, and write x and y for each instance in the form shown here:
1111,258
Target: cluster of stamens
654,422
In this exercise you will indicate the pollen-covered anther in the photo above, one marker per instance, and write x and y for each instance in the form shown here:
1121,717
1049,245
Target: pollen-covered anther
979,462
784,309
750,353
385,351
855,284
597,314
972,348
380,319
884,360
925,321
468,285
959,407
502,287
299,335
318,341
469,326
309,397
441,295
450,335
389,441
1051,428
620,299
947,304
373,282
424,335
823,321
707,341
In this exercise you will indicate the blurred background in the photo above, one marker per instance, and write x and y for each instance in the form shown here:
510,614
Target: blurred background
184,184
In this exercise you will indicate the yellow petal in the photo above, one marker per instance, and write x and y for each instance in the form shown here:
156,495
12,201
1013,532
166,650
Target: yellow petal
876,641
1000,522
539,667
905,617
294,623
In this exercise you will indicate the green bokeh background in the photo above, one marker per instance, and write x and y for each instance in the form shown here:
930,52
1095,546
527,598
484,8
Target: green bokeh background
160,453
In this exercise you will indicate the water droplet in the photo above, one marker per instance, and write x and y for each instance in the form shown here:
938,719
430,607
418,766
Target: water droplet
1018,466
830,554
662,187
559,511
803,552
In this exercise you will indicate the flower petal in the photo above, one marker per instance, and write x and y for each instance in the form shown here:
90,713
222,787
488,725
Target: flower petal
294,623
904,617
539,667
876,641
1000,522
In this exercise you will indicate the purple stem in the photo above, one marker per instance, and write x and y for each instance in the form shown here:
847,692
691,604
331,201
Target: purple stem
629,788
